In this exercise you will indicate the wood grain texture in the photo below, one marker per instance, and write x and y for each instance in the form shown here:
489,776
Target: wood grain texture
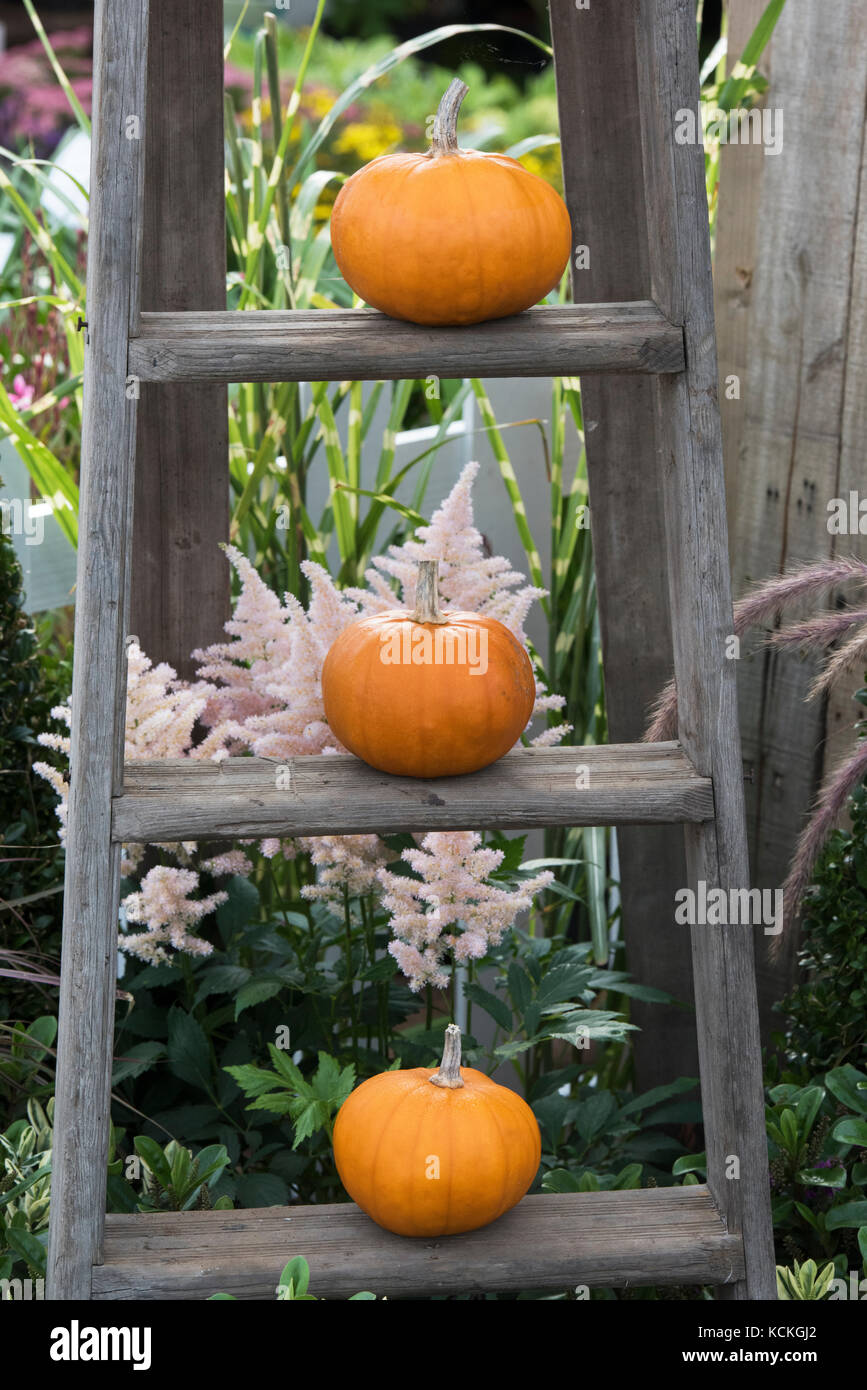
362,344
180,579
81,1122
668,1235
690,444
339,795
597,86
803,431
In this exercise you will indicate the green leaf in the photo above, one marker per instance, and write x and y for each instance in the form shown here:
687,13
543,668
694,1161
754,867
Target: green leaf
253,1080
181,1165
520,989
807,1108
255,992
560,1180
690,1163
848,1214
221,979
658,1095
298,1271
851,1131
28,1247
153,1158
823,1177
241,908
563,984
789,1130
357,1297
188,1050
220,1297
497,1008
262,1190
843,1083
629,1178
43,1030
135,1060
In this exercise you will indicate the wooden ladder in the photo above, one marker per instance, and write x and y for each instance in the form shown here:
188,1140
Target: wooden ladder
719,1234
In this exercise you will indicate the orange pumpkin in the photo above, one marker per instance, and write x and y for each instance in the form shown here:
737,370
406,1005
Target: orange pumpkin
427,694
452,236
432,1152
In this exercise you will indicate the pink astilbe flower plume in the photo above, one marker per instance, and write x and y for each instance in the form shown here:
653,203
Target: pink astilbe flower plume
161,713
450,891
165,906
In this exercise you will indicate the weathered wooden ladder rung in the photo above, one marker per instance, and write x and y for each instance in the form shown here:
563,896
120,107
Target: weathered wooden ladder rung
663,1235
361,344
645,783
660,327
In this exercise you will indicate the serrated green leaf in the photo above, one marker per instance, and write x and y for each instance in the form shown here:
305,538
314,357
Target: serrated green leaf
496,1007
253,1080
188,1050
255,992
136,1060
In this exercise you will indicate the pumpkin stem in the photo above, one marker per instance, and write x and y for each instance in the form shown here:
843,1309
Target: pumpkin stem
445,131
449,1074
427,599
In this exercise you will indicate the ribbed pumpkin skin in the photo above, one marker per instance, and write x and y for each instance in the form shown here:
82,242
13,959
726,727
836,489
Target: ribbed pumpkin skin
430,720
452,238
386,1134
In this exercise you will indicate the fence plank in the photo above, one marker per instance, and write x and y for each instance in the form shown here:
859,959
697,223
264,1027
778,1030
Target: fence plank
181,582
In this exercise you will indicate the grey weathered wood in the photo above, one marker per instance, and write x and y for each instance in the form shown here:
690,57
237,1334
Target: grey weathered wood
802,432
688,434
362,344
339,795
670,1235
597,88
84,1051
180,579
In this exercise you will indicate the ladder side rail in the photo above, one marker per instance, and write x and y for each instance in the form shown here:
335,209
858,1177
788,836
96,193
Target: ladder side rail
597,88
90,916
691,468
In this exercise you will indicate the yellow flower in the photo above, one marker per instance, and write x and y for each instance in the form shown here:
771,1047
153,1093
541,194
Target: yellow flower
366,140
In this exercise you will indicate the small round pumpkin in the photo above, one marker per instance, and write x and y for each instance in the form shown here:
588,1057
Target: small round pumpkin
429,1152
427,694
452,236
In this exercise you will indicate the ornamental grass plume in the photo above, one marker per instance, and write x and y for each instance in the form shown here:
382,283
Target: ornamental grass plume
450,890
766,603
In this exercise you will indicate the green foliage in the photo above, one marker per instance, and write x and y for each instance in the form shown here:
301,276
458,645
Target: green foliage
33,678
311,1104
817,1139
293,1285
826,1014
803,1282
25,1182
